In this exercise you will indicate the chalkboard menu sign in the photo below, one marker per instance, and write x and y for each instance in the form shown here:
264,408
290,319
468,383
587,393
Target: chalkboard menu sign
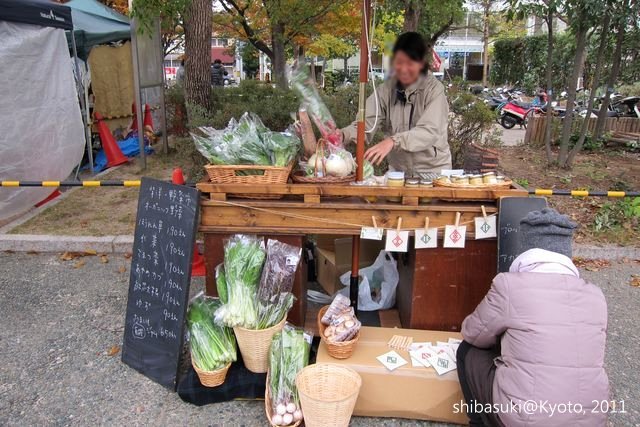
160,276
512,210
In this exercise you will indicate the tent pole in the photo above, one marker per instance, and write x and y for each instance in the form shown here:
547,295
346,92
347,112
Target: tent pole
364,71
84,106
136,90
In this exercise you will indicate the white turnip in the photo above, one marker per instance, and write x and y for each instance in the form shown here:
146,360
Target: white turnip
291,407
287,419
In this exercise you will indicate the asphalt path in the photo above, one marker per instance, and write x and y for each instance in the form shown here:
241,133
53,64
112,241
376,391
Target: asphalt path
62,324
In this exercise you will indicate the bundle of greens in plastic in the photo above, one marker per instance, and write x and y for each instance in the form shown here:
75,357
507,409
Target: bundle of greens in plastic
316,108
243,260
247,142
254,299
274,294
212,346
288,354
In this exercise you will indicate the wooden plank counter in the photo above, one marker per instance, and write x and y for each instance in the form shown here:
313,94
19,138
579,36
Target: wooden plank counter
438,287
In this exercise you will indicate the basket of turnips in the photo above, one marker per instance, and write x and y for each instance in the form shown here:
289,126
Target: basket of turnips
339,328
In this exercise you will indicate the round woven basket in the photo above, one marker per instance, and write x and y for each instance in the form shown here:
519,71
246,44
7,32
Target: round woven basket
268,407
328,394
211,378
498,186
300,178
254,346
337,350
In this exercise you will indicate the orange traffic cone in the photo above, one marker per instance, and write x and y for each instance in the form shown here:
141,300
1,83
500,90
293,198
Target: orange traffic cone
148,120
109,144
197,265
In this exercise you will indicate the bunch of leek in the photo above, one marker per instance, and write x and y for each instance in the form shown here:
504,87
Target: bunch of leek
212,346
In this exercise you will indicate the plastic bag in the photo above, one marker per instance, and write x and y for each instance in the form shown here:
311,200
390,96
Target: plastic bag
279,269
316,108
282,146
288,354
382,277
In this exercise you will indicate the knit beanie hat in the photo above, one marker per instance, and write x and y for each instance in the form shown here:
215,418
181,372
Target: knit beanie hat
547,229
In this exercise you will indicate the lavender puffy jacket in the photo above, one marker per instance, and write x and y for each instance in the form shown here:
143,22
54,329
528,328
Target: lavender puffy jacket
554,328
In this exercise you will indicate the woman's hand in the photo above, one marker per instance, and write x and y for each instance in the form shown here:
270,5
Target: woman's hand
378,152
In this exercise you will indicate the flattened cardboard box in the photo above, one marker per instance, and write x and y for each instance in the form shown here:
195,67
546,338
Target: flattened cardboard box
407,392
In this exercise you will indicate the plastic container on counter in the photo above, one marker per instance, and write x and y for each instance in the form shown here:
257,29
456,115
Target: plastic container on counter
500,179
395,179
460,179
475,179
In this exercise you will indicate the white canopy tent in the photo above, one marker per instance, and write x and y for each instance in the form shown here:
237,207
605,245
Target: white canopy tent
42,134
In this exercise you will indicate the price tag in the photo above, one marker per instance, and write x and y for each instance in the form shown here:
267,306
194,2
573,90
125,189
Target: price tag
454,236
426,238
485,227
397,241
371,233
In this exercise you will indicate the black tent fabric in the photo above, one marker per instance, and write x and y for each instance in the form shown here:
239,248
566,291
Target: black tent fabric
36,12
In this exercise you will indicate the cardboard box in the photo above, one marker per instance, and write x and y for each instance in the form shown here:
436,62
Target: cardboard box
407,392
333,259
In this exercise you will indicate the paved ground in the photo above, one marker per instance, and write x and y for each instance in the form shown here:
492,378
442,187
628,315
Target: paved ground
59,323
512,137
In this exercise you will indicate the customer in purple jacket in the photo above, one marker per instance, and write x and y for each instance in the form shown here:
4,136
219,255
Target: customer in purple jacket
533,350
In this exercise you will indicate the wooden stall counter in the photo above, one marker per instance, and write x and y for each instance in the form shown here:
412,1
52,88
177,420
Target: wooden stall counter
438,287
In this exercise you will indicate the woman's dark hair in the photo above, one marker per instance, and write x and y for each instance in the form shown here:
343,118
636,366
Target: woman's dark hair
413,45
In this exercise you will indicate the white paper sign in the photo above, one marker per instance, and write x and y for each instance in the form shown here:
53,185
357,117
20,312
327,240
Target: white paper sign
428,239
397,241
442,363
423,355
371,233
454,236
392,360
486,227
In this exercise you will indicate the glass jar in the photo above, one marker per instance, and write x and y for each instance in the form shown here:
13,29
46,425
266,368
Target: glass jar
500,179
475,179
489,178
425,183
412,182
460,179
395,179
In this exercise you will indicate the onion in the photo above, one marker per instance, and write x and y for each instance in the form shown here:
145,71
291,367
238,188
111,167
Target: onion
287,419
337,166
281,409
291,407
277,419
297,415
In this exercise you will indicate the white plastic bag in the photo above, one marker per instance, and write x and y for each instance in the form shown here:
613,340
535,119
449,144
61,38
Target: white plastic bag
383,277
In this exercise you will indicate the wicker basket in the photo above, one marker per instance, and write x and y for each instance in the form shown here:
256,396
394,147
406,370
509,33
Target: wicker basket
268,404
211,378
328,394
232,174
337,350
254,346
300,178
498,186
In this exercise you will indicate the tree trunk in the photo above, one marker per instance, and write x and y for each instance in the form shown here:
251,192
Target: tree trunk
606,21
549,79
278,60
345,65
578,62
197,49
412,12
485,41
611,81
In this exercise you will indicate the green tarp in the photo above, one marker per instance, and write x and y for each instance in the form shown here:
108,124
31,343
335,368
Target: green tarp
94,24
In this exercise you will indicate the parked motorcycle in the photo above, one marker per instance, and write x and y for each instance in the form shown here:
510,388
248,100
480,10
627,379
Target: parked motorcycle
517,113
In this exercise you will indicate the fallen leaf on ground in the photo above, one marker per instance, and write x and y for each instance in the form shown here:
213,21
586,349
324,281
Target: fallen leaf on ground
128,255
635,281
113,350
591,264
32,252
71,255
122,269
104,259
9,251
79,264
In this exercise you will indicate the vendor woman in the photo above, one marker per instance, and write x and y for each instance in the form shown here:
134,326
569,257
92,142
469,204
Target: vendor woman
413,113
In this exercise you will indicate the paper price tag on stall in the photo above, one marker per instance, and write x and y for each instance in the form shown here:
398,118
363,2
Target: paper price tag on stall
371,233
397,240
454,236
485,226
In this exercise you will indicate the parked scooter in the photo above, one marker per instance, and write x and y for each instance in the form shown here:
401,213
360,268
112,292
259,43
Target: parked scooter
517,113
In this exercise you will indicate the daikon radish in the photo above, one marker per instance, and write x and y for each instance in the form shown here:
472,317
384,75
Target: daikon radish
308,137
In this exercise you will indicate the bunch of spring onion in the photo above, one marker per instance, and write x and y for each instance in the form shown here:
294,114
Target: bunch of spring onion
288,354
212,346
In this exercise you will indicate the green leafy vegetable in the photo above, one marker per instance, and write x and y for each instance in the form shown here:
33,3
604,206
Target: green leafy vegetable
212,346
221,284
